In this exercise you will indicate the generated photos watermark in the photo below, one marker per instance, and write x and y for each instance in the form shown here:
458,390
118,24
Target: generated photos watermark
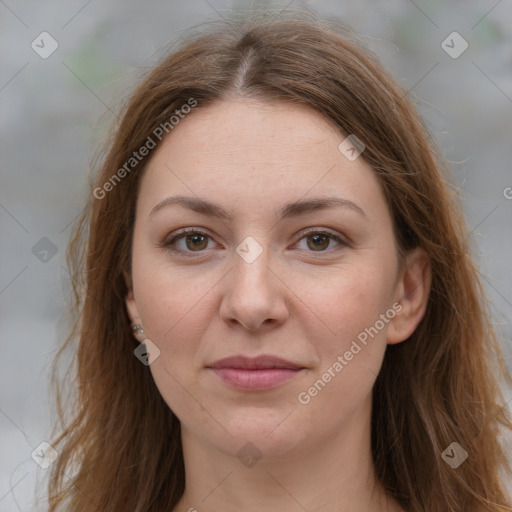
304,397
137,156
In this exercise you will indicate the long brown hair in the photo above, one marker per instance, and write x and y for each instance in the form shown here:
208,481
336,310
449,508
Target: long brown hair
119,438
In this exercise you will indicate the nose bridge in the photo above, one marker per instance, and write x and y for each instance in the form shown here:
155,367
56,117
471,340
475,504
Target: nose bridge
251,294
252,263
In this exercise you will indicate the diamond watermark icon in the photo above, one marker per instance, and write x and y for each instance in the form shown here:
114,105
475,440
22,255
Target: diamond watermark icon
249,249
454,455
44,250
147,352
454,45
44,455
44,45
351,147
249,455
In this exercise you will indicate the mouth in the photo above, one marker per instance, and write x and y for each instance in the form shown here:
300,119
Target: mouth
255,374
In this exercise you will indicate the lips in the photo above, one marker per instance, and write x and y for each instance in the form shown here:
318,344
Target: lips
256,363
255,374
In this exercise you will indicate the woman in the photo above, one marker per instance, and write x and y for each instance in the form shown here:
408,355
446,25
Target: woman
276,306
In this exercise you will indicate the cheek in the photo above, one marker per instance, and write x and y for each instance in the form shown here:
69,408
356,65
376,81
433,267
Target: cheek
171,302
351,344
352,299
175,308
350,347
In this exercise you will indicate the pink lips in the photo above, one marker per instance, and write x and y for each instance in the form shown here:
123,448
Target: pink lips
260,373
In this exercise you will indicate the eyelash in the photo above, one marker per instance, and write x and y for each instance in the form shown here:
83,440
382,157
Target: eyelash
170,245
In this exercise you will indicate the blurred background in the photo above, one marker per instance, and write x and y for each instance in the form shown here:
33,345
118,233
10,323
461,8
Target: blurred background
66,68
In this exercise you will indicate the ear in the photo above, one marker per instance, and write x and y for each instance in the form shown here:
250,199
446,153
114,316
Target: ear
412,292
131,307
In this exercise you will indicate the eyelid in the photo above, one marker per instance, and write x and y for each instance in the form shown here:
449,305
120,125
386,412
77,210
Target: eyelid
341,240
182,233
324,231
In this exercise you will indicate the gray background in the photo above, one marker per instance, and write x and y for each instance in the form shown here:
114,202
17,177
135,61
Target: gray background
56,111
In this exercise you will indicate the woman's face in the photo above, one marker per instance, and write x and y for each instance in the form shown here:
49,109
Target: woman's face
315,286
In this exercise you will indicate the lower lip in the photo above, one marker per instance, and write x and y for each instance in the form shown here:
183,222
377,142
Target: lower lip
255,380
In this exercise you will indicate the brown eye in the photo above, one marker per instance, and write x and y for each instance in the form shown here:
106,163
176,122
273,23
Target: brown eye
318,242
197,242
193,241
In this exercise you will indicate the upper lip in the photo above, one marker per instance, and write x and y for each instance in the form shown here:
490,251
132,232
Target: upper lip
255,363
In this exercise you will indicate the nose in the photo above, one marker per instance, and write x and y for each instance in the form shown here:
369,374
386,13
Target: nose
253,295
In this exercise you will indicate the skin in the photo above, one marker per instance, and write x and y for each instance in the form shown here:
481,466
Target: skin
302,299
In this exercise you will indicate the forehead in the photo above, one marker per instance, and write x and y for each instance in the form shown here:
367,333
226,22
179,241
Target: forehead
255,153
250,131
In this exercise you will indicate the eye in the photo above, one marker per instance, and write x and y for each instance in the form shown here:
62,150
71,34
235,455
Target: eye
318,241
194,240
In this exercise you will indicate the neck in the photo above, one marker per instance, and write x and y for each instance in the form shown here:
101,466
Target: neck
334,474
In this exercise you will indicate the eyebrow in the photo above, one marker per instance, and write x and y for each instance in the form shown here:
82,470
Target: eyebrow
289,210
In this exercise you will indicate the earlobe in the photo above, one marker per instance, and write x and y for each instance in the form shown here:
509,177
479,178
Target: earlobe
131,307
127,279
412,292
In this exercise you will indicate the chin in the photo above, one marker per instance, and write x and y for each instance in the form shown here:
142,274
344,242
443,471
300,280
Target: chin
273,433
